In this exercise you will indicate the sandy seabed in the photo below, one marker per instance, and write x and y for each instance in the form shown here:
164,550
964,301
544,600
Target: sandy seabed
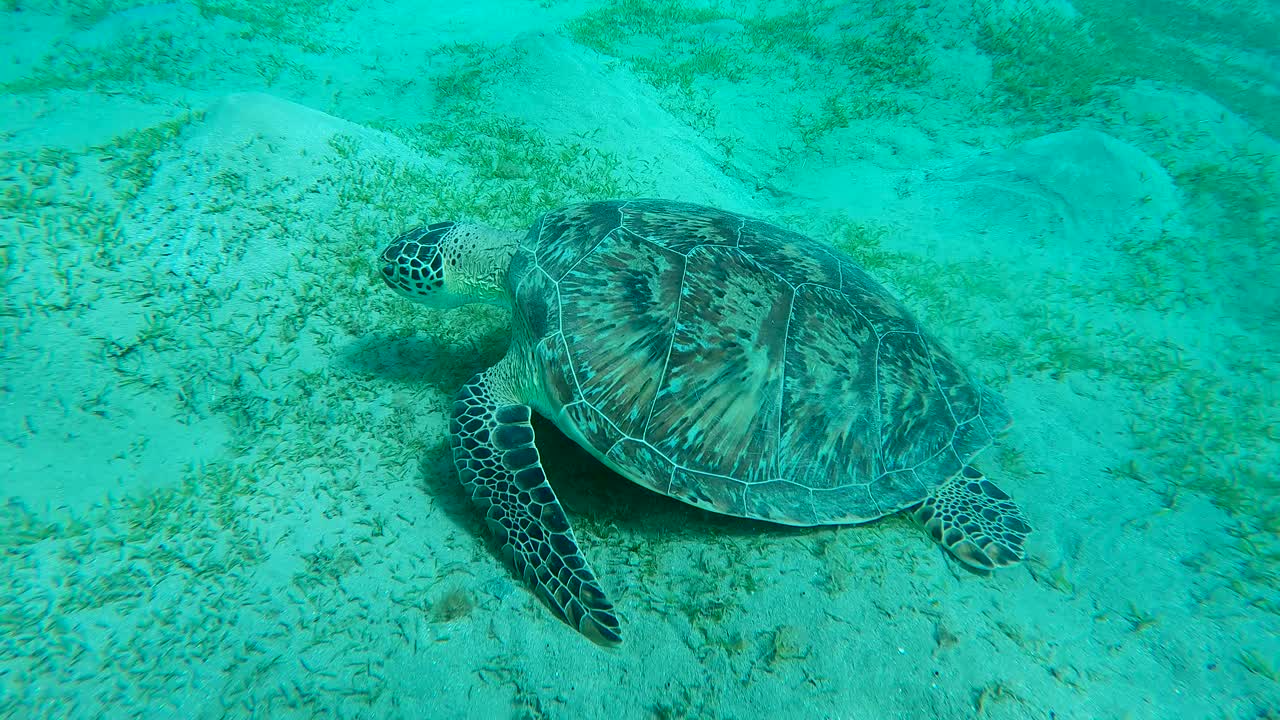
223,458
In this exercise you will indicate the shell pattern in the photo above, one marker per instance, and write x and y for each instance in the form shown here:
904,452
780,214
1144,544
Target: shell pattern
737,366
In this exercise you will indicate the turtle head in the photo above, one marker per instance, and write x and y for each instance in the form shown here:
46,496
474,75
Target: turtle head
448,264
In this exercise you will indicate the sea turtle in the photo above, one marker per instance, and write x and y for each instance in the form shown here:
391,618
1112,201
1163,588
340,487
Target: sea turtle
712,357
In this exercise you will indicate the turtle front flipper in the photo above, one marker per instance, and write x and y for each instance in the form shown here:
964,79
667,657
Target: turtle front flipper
975,520
498,464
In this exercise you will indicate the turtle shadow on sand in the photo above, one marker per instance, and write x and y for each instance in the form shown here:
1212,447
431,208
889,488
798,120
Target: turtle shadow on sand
422,360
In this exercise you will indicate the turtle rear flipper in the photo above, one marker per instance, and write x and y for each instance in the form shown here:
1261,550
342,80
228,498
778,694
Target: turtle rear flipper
498,464
975,520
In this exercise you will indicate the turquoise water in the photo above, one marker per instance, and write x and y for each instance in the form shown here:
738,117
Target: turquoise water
225,484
